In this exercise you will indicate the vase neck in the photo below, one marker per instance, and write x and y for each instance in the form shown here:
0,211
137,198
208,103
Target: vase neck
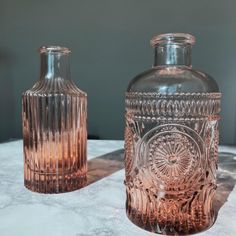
55,63
172,49
172,55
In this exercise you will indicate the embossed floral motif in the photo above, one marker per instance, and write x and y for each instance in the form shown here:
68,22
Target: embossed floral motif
172,156
174,153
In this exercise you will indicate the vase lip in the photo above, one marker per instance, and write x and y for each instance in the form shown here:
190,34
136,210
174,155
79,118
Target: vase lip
54,49
173,38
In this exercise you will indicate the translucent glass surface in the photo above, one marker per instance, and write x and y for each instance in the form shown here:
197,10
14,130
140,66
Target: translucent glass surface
54,128
171,142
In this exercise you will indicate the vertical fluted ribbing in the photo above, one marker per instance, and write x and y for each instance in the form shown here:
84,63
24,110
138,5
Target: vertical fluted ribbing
54,139
64,140
69,138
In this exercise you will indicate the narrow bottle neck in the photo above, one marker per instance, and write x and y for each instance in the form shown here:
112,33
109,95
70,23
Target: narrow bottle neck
54,66
172,54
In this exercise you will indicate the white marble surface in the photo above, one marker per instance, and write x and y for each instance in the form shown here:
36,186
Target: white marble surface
97,210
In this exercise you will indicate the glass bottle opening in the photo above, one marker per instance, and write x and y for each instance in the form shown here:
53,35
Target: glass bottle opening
172,38
54,62
54,49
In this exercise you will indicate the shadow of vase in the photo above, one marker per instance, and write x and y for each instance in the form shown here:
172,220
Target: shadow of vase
226,178
105,165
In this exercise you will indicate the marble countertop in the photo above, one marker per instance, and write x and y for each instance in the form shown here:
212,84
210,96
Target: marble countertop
99,208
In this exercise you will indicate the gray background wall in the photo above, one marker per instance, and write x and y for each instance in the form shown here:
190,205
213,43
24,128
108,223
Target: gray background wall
110,44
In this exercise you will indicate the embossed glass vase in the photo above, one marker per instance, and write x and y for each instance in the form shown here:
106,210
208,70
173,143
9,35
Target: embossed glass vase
54,116
171,142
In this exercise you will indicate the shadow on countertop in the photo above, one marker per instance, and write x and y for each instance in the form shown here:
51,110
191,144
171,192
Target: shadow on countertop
105,165
226,178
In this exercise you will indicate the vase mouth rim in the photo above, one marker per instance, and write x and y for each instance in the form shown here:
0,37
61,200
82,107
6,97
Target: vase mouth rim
54,49
172,38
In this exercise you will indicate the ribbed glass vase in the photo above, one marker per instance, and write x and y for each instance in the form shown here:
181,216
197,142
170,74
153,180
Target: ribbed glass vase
54,113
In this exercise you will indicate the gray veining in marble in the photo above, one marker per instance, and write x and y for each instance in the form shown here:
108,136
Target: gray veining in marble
97,210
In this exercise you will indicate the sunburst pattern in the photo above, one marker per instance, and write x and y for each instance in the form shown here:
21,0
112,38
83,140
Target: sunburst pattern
172,156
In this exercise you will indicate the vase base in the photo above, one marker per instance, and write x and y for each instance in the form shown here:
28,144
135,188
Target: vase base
55,183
